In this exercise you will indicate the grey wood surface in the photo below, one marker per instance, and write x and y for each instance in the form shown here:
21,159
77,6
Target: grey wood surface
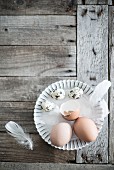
50,166
38,42
37,30
42,152
111,65
94,2
92,67
38,61
25,88
21,111
28,7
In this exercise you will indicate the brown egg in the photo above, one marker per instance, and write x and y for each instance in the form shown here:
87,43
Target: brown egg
85,129
70,109
61,134
71,115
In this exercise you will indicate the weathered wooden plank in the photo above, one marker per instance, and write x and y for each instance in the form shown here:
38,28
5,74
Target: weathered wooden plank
42,152
109,2
25,88
28,7
92,67
94,2
20,112
37,60
51,166
37,30
111,66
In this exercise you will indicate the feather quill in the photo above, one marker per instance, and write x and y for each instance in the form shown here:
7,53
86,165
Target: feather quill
99,92
17,132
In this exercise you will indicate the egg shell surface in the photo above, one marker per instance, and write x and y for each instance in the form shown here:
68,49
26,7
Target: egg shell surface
73,115
61,134
85,129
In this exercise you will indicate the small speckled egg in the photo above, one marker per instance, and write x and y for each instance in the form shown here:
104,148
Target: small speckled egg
75,93
61,134
58,94
85,129
47,105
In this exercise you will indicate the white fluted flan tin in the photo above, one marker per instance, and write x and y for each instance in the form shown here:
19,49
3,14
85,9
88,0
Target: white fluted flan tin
45,120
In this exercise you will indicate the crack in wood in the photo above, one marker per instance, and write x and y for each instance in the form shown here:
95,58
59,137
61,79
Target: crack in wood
100,12
94,52
84,12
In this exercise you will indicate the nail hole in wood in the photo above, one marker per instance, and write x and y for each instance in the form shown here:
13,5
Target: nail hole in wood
99,157
69,71
71,41
20,2
62,39
93,78
69,55
84,12
72,26
6,29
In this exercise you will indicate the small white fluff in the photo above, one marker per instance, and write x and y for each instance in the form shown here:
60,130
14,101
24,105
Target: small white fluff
47,105
75,93
17,132
58,94
100,90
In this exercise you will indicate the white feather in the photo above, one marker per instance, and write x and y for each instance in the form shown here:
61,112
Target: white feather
100,90
17,132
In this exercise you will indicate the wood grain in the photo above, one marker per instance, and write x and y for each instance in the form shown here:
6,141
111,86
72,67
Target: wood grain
20,112
28,7
110,2
42,152
51,166
37,30
25,88
111,66
38,61
94,2
92,67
